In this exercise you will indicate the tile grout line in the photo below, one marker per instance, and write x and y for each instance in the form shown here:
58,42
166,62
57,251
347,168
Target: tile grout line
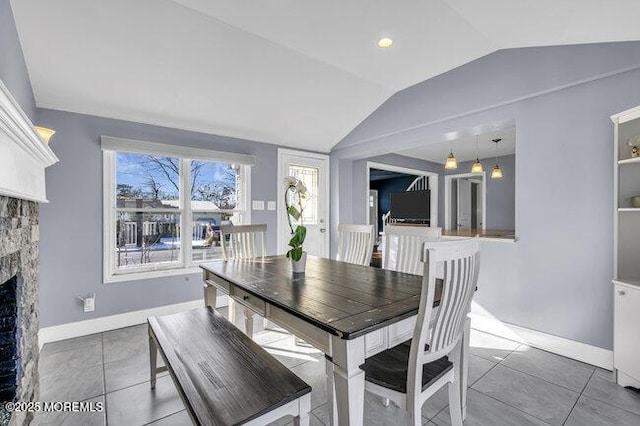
535,377
104,381
540,378
579,396
164,417
515,408
495,364
608,402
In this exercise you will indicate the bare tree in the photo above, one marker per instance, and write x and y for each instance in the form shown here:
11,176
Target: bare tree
155,187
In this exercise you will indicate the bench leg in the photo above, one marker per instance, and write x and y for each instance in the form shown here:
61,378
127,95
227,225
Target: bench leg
153,357
304,408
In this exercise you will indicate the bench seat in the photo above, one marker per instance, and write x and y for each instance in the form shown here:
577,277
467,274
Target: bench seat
222,376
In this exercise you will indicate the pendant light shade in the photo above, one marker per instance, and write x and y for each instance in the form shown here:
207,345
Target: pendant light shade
451,162
476,167
496,173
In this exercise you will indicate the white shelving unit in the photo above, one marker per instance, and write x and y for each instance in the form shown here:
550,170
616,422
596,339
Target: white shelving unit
626,250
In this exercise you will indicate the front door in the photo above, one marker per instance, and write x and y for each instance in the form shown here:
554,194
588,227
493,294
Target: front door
313,170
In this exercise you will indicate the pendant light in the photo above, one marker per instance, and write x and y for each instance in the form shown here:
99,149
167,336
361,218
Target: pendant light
451,162
476,167
496,173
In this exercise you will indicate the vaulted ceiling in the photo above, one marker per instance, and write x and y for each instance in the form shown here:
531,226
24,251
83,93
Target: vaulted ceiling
289,72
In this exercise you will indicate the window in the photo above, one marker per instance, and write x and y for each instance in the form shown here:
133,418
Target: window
163,212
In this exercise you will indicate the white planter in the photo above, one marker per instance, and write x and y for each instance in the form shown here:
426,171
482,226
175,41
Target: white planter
300,265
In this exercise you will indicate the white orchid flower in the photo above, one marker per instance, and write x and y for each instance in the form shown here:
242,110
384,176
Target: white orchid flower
301,188
290,181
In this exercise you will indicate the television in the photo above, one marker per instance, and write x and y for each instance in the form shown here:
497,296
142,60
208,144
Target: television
411,206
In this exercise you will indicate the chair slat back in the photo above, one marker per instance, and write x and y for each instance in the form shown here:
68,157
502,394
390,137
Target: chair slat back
403,247
460,261
242,241
355,243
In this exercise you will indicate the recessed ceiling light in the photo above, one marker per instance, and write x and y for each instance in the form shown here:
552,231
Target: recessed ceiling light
385,42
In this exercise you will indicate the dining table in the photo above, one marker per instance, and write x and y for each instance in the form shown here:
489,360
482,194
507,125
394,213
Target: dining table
347,311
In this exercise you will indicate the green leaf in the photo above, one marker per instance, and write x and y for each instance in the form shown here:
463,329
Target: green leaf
296,253
293,212
298,237
301,233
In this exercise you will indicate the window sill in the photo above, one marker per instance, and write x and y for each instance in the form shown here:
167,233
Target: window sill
146,275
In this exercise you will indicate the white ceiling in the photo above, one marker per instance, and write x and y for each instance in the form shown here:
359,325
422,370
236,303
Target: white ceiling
289,72
464,148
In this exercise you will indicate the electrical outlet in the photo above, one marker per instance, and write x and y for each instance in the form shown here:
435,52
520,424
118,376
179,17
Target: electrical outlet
271,205
90,304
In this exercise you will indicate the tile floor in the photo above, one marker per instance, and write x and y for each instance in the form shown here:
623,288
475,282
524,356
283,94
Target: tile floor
510,384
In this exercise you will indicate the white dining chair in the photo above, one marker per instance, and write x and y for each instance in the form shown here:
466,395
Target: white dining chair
403,245
355,244
413,371
243,242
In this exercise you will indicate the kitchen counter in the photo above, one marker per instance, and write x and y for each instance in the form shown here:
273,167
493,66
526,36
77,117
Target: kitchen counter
498,234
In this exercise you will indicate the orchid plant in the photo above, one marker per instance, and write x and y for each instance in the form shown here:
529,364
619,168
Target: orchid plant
295,208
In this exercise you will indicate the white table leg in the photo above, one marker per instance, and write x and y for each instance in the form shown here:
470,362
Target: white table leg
331,393
464,359
248,322
210,294
348,379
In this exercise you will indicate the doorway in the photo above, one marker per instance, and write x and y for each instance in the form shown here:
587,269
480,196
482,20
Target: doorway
418,180
313,170
465,201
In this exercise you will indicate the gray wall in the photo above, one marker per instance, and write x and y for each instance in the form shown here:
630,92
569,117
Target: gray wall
557,277
501,193
13,70
71,224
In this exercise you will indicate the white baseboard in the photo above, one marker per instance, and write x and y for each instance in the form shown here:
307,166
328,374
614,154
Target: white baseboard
112,322
559,345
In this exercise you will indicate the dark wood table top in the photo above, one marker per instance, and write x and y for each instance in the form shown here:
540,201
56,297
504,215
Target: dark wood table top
344,299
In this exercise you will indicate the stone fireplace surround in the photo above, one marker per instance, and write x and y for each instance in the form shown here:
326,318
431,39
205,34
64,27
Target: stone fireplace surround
19,234
23,160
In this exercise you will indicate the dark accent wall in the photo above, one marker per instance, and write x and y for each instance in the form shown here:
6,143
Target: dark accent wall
385,188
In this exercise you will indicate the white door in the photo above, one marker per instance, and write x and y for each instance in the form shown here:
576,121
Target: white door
313,170
464,204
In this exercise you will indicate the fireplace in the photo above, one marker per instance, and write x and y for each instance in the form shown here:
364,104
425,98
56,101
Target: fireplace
9,338
23,160
19,244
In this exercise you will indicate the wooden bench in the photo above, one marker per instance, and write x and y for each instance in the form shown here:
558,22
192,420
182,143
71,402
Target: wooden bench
222,376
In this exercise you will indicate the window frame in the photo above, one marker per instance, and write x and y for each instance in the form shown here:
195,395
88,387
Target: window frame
186,264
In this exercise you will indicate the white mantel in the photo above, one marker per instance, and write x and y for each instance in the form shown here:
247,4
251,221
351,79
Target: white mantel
23,155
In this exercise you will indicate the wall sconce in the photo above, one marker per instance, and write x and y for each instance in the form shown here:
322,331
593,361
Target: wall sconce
44,133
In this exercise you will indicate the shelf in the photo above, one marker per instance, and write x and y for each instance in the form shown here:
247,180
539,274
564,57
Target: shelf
630,161
626,281
629,209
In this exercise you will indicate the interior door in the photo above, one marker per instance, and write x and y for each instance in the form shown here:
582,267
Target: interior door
313,170
464,204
